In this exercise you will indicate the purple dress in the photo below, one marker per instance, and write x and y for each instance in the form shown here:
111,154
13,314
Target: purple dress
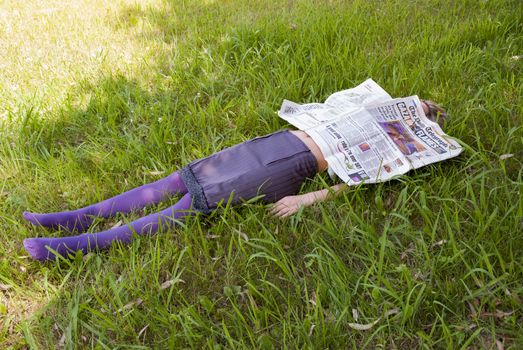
274,166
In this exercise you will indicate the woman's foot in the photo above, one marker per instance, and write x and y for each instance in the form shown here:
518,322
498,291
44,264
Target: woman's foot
48,248
68,220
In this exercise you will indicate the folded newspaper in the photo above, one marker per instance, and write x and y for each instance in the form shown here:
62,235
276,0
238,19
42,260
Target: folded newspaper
367,136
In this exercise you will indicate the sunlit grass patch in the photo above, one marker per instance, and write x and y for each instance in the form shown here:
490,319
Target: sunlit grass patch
52,46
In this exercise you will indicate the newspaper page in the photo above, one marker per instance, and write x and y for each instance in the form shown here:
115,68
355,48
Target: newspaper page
376,142
337,105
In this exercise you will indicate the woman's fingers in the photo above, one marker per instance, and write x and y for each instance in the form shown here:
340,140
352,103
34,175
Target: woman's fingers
286,206
279,211
275,208
286,213
283,210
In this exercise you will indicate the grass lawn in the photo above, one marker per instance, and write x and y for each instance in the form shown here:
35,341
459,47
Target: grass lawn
98,97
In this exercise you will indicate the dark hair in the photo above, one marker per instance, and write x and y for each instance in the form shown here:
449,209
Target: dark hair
436,113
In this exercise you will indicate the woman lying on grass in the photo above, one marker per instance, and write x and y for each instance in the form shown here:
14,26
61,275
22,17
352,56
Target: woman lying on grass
274,166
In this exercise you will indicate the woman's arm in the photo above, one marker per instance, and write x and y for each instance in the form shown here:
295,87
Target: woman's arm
290,204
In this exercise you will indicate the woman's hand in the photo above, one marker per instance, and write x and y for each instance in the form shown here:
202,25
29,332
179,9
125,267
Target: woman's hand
290,205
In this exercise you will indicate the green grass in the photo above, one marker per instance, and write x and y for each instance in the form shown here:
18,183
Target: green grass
97,97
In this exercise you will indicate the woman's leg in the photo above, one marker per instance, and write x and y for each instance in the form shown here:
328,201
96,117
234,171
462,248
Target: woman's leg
37,247
137,198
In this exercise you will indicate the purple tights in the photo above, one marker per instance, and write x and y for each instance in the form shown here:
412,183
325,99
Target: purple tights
124,203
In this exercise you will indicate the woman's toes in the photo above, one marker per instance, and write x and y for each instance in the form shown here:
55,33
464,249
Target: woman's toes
36,247
31,217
